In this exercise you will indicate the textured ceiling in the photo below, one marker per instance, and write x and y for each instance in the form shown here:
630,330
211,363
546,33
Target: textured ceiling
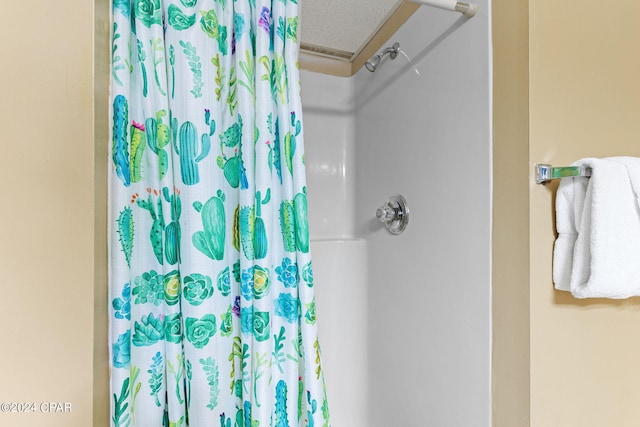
344,25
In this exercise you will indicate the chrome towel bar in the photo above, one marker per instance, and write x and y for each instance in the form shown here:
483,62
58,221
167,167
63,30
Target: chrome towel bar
545,172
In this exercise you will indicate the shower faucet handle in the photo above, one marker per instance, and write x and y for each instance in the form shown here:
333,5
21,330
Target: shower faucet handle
394,214
386,213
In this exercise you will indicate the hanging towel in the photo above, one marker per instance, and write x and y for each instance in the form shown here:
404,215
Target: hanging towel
597,252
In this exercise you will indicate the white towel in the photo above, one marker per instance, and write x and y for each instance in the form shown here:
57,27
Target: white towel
597,252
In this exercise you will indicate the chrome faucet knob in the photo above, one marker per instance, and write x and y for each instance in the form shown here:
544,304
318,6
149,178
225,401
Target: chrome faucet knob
386,213
394,214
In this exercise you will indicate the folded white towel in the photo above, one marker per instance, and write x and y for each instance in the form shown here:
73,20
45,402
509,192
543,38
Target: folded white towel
597,252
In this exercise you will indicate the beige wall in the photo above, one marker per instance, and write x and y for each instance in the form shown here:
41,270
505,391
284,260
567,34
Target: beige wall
510,251
584,101
48,234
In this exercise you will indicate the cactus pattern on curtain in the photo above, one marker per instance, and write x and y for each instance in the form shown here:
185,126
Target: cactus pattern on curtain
212,317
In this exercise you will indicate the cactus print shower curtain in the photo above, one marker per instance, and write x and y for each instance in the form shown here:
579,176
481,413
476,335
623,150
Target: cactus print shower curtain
212,309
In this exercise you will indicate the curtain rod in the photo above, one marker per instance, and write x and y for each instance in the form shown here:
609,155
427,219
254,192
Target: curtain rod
467,9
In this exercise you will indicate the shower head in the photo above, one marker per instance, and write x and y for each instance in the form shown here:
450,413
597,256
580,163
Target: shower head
375,60
373,63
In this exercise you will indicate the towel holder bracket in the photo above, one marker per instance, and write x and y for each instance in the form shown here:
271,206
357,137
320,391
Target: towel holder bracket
545,172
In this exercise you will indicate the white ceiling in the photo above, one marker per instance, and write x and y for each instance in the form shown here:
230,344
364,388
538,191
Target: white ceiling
344,25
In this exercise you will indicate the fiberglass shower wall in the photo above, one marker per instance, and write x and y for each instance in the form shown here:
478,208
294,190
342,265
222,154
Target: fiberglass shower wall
420,311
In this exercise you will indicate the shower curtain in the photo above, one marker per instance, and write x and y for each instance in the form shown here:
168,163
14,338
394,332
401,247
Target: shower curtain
212,317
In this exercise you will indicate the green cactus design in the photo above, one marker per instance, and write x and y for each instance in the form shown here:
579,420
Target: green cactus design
279,78
173,331
172,62
188,151
292,29
189,375
239,352
220,75
274,149
126,233
165,239
301,221
141,58
252,232
149,12
120,144
209,122
148,331
224,421
154,206
226,322
232,102
136,386
178,373
178,19
137,149
233,167
300,397
116,59
156,372
312,407
278,353
196,67
235,352
325,412
281,29
290,142
287,225
210,369
211,241
316,346
157,139
235,229
275,74
247,416
121,417
222,39
172,231
281,405
260,243
209,23
157,49
247,220
258,362
310,315
247,68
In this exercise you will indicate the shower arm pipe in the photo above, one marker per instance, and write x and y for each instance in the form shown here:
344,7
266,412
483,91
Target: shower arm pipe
467,9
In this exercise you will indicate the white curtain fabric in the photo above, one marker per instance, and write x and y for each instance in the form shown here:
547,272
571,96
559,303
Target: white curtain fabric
212,316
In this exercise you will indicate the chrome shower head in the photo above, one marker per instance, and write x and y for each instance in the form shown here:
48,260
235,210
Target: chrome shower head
375,60
373,63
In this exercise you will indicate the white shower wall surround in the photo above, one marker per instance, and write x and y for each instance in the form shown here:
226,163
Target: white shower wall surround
329,154
339,260
405,321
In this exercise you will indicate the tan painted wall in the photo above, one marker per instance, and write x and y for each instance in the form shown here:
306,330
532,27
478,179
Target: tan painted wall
584,102
510,251
566,362
47,237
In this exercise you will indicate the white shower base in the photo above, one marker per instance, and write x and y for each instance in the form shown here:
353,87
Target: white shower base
340,277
